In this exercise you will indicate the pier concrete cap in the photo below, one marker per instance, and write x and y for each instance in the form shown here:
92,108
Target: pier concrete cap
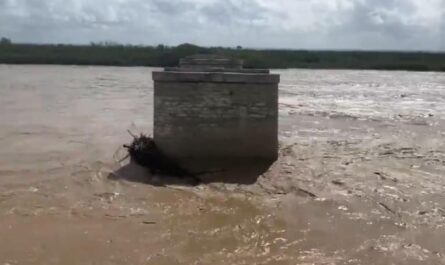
215,77
208,60
214,69
217,70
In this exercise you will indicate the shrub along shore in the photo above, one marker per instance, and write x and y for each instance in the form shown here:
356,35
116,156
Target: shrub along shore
163,56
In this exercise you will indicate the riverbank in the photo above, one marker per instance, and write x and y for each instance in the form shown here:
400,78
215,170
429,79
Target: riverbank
163,56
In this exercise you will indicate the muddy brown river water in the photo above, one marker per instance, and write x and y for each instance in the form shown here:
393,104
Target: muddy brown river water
360,178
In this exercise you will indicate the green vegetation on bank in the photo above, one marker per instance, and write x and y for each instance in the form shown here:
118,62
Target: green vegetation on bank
129,55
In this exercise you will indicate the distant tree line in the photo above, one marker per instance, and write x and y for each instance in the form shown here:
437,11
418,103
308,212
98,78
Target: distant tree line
106,53
5,41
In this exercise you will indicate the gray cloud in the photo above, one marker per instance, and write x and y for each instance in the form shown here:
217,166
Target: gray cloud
238,12
382,24
309,24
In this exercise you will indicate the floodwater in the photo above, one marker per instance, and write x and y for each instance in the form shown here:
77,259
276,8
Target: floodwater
360,178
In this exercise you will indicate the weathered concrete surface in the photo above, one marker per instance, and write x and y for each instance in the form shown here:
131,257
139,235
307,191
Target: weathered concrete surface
213,114
210,77
211,61
216,119
215,70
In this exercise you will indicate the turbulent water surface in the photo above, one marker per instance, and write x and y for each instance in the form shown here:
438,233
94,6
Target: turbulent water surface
360,178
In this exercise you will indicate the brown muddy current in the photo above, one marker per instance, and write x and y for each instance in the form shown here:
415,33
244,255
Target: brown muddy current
360,178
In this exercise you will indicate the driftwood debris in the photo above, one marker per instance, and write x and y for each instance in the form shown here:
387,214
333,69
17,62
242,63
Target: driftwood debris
143,151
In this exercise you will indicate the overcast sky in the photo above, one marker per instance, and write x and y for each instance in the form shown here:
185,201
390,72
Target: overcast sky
295,24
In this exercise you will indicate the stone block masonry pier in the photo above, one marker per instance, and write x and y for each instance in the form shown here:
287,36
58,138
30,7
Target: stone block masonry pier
210,107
